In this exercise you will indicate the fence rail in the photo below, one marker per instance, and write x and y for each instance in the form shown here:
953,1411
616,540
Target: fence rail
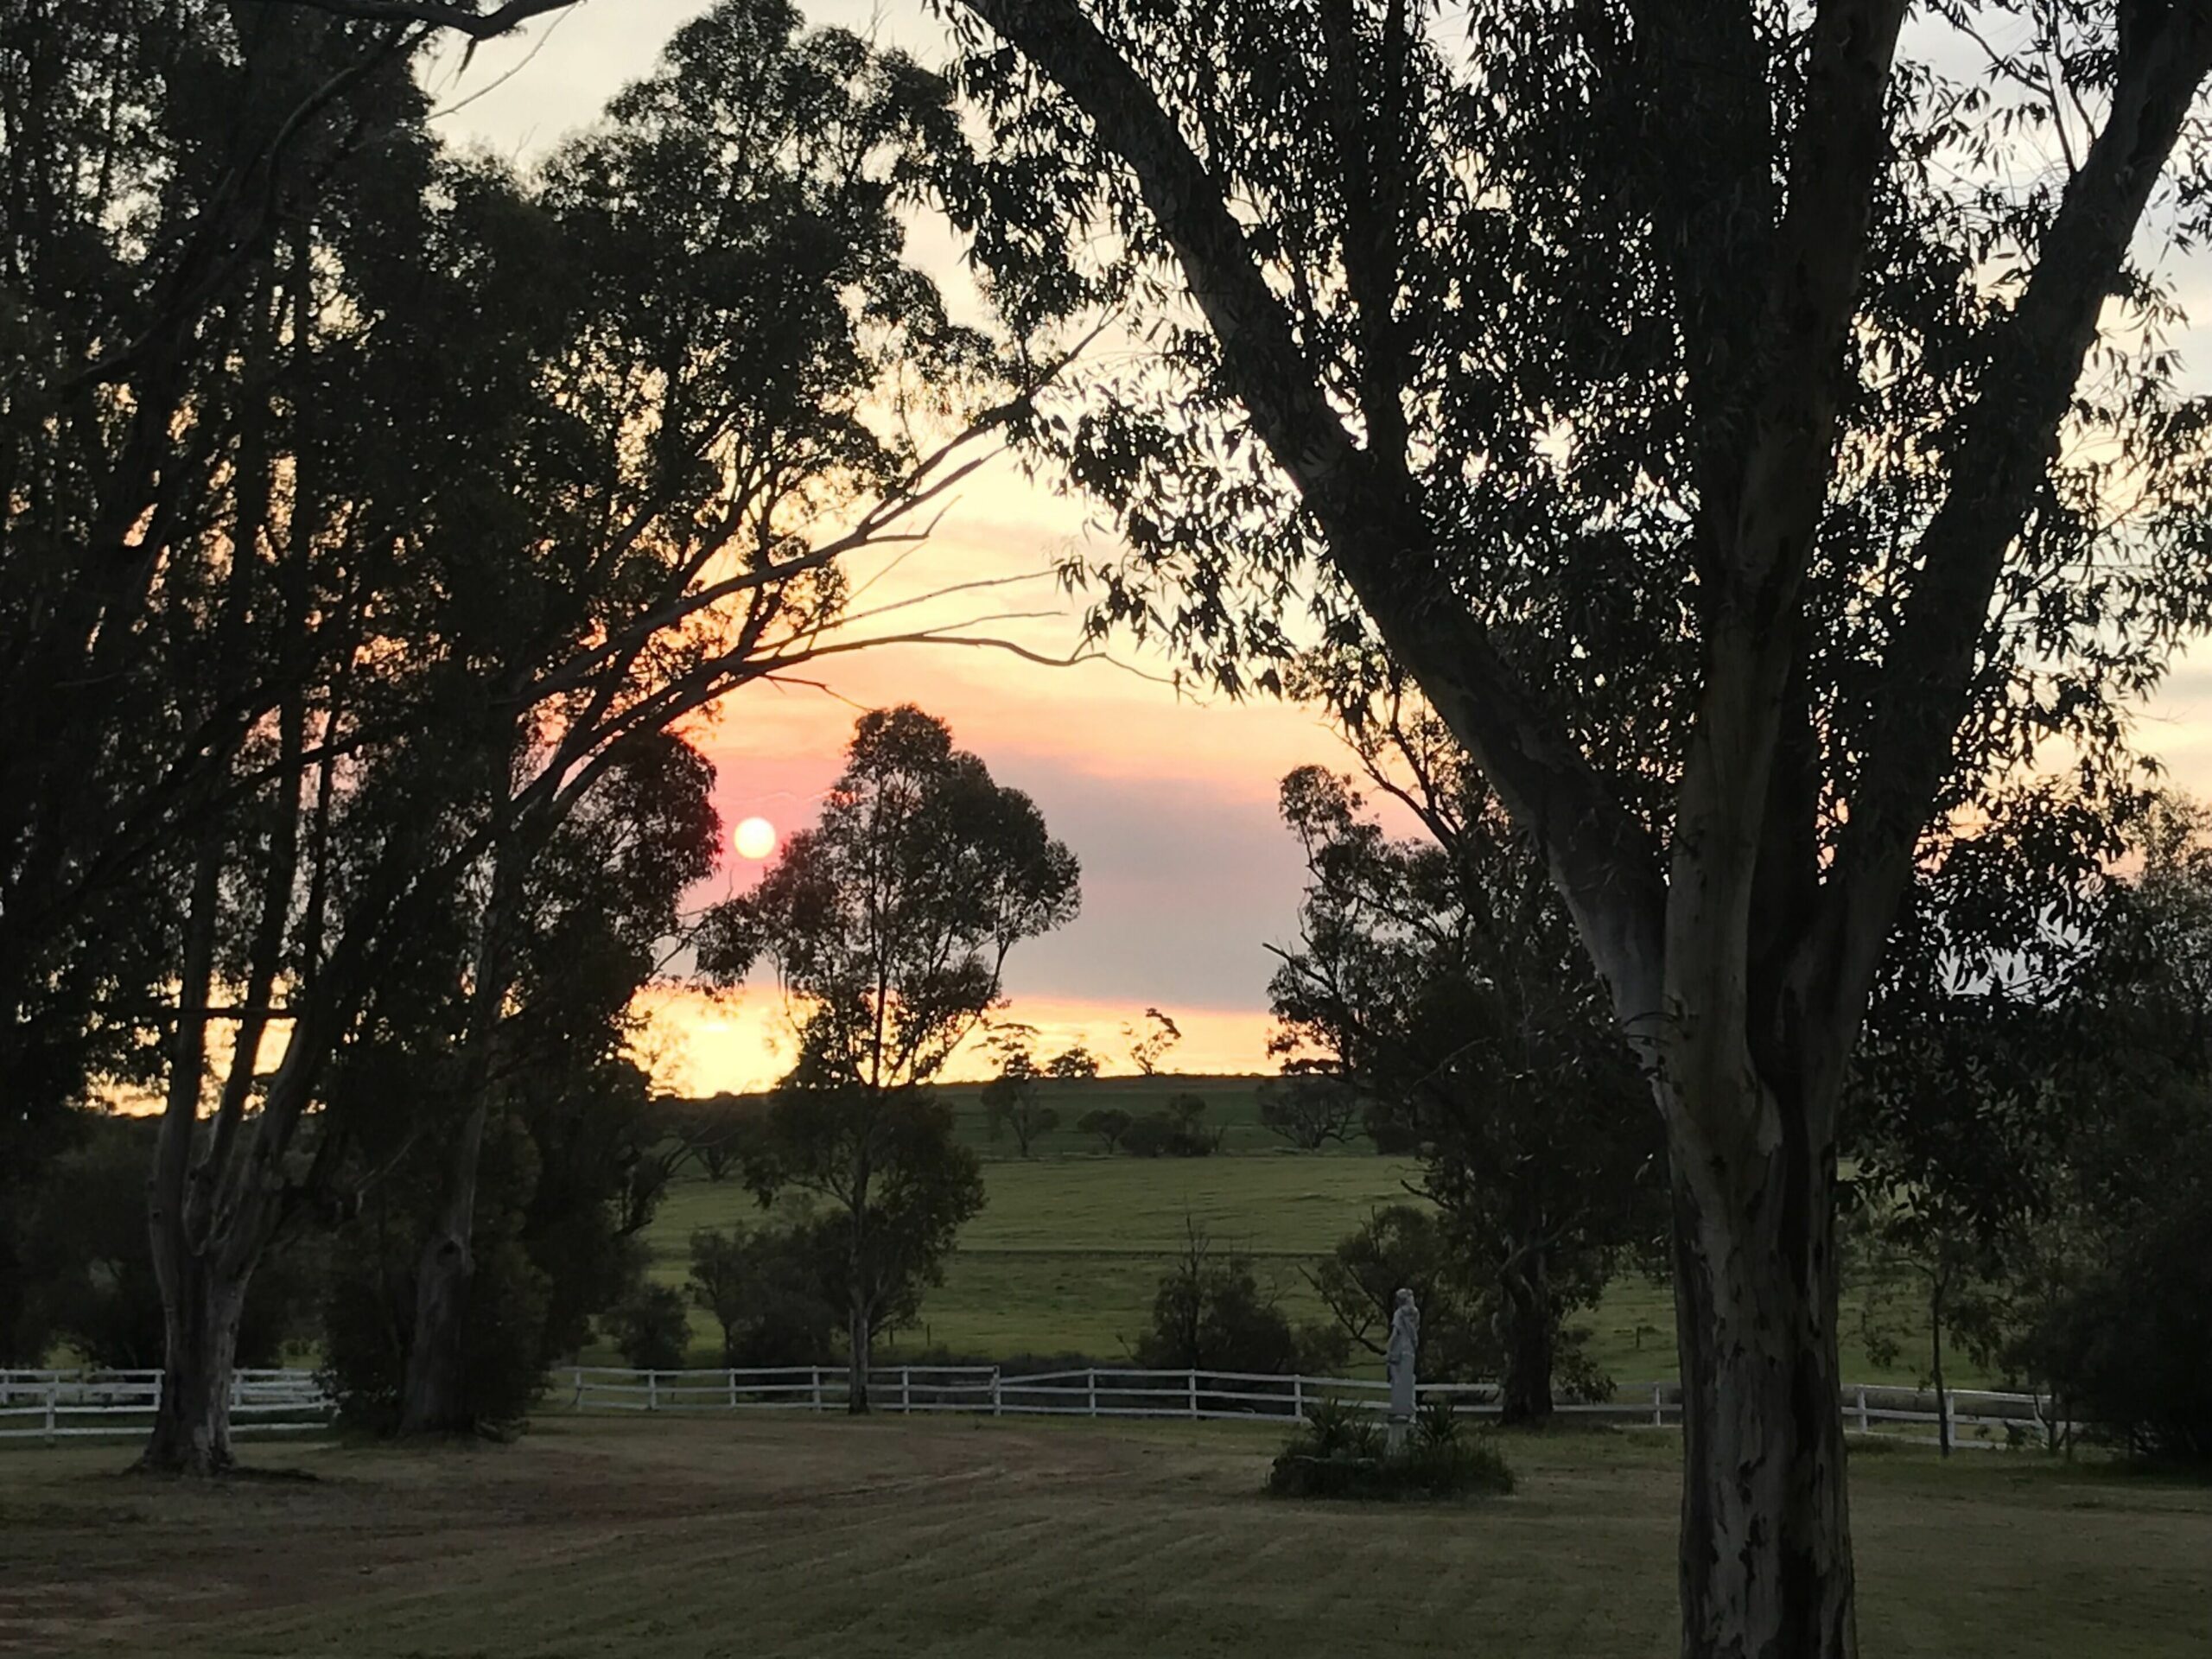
1977,1416
55,1405
61,1405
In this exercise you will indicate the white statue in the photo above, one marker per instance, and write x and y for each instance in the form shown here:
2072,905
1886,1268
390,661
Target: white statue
1398,1361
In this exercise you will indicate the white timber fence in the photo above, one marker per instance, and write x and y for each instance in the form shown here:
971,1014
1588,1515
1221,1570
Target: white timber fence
1978,1417
52,1405
58,1404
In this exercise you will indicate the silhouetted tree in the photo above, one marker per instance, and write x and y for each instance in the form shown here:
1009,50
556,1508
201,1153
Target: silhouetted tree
888,925
1440,978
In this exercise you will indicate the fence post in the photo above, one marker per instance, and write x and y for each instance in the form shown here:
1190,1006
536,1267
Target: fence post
818,1387
652,1390
1865,1424
1945,1409
576,1404
998,1399
1194,1394
733,1387
1658,1405
906,1390
1297,1399
1090,1389
52,1400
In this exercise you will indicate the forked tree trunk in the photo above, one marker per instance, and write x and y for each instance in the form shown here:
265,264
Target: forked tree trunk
1526,1396
191,1423
1766,1568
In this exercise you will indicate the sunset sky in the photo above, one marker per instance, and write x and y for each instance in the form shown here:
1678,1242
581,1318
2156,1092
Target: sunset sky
1169,802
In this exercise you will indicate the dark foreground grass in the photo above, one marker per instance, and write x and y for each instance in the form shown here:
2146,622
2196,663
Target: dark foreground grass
684,1539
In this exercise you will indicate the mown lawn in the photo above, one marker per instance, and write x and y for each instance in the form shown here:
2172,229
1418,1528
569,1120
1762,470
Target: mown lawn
688,1538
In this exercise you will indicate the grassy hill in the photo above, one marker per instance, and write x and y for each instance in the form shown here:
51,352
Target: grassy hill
1232,1106
1070,1245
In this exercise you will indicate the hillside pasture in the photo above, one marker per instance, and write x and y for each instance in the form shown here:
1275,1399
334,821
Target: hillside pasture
1068,1250
703,1538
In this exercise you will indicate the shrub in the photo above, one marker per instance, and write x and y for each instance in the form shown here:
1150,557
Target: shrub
1109,1123
1339,1453
369,1315
766,1291
1209,1314
1174,1133
652,1328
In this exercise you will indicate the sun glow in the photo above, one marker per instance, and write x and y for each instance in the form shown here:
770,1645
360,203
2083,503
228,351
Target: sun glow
755,838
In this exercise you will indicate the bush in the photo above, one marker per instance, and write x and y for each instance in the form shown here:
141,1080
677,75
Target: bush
2128,1347
1209,1314
1339,1453
1109,1123
652,1328
1174,1133
369,1315
766,1292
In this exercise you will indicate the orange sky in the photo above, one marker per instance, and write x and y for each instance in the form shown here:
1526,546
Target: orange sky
1169,803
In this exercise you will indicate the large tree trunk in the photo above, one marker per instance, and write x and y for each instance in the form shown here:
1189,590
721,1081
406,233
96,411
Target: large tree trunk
192,1424
1766,1569
1526,1396
856,1335
434,1397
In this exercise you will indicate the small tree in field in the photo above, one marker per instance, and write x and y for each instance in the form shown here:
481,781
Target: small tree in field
1109,1123
1310,1108
1075,1065
888,925
1011,1101
1150,1039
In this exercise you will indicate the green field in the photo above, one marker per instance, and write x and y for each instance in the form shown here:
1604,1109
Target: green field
1070,1245
712,1538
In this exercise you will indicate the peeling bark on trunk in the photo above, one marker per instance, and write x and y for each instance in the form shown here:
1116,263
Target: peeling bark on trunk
192,1424
1766,1568
1526,1396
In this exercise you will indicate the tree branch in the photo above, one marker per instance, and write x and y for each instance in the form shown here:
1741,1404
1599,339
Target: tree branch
1997,464
477,25
1603,859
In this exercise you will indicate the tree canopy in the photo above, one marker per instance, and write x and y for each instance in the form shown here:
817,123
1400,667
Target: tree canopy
1753,432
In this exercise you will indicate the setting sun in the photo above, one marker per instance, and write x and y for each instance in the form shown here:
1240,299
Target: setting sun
755,838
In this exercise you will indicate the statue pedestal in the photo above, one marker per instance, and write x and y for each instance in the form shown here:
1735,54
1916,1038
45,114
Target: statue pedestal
1401,1405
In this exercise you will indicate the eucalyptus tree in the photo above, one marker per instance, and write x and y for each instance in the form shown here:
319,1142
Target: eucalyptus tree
568,1159
1440,979
1750,435
1956,1114
154,149
888,925
747,385
550,464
